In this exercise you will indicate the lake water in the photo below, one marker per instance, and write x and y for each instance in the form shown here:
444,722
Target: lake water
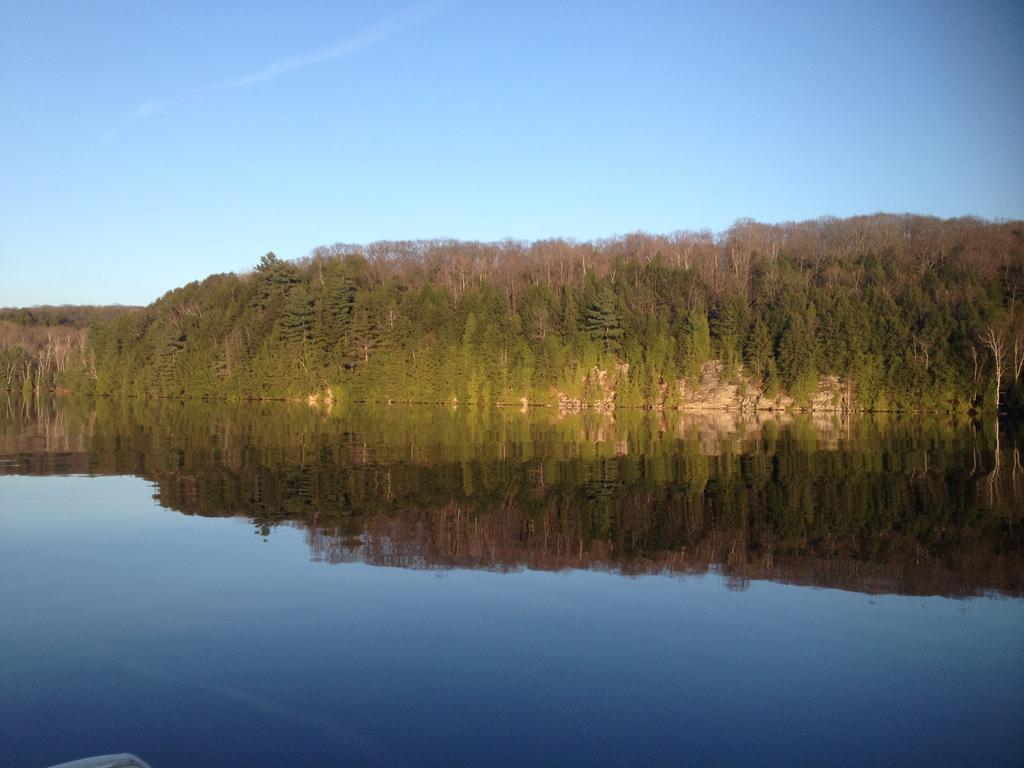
269,585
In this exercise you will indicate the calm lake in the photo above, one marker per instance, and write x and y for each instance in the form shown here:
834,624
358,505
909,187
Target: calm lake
270,584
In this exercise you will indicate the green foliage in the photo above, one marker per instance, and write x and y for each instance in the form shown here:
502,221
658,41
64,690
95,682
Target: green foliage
729,330
797,353
758,351
430,322
696,341
602,321
296,327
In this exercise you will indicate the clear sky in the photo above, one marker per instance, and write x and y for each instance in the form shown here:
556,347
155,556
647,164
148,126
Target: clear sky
146,144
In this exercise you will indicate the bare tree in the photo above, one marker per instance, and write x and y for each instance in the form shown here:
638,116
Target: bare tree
1018,355
995,340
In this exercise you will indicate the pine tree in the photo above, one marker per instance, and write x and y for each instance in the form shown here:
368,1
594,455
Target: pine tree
336,306
758,350
363,335
297,324
602,321
274,278
797,359
728,327
696,342
167,367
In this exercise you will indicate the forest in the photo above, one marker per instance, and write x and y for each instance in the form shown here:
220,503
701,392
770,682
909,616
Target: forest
905,312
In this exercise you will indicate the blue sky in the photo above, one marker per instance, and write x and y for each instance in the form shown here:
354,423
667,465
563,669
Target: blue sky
145,144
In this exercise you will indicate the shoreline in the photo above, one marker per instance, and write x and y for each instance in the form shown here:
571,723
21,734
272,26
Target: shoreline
576,407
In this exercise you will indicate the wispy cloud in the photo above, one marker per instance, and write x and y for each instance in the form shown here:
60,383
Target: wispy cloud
340,50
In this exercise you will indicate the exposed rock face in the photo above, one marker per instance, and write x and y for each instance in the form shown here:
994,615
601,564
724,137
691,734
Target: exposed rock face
834,395
599,384
603,383
715,390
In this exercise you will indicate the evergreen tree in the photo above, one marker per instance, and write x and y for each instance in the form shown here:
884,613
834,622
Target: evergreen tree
728,328
274,278
796,358
602,321
299,316
363,335
336,306
758,350
696,341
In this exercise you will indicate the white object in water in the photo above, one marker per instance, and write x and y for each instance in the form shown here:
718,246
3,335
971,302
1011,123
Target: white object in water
124,760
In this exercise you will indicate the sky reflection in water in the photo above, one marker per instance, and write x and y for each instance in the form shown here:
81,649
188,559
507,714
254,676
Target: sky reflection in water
199,641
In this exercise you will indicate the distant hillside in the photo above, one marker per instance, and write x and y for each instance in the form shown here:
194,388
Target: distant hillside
41,346
871,312
68,315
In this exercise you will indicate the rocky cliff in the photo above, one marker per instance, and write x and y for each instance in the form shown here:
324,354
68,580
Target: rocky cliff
716,390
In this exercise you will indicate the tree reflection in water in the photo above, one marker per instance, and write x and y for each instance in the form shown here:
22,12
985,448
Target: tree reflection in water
911,505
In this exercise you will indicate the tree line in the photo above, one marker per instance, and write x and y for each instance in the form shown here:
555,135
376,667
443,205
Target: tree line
41,347
911,312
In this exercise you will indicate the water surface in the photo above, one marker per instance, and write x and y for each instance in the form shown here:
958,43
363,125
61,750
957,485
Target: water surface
212,585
